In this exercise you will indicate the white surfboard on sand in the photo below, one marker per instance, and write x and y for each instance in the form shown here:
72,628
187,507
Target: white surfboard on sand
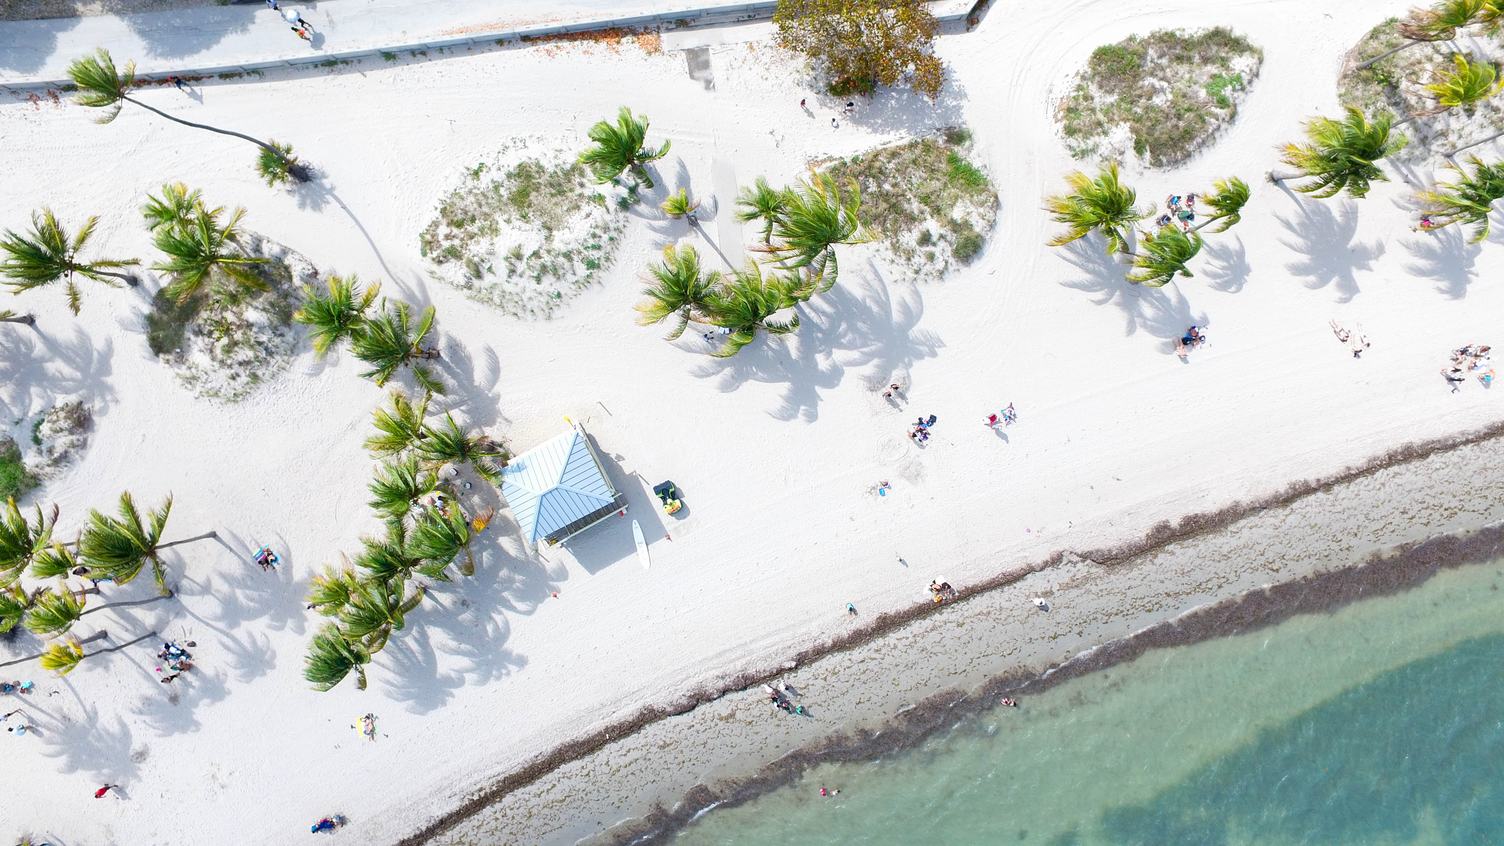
642,545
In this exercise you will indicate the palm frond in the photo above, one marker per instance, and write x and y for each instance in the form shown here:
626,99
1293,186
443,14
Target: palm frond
676,288
1341,155
54,613
398,485
398,428
1165,254
62,658
337,312
177,205
1102,204
332,656
100,85
1469,199
22,539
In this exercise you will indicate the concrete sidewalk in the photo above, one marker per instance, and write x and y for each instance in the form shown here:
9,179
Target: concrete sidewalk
227,39
213,39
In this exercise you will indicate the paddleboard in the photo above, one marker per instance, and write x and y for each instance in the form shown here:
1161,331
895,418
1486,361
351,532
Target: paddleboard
642,545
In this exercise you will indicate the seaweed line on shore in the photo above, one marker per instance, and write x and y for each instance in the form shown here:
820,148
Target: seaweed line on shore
1382,574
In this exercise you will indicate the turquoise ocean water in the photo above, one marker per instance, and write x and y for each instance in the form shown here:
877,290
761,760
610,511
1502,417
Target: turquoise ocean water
1381,723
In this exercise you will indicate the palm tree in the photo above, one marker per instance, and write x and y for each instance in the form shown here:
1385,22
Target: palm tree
121,547
619,147
1226,200
390,559
1341,154
1465,84
47,254
55,562
389,341
398,429
177,205
22,540
276,163
746,304
1469,200
1438,23
679,204
14,603
1103,203
816,218
438,538
677,287
102,86
450,444
761,202
54,613
336,314
62,658
201,249
332,656
1165,254
330,590
398,485
376,609
8,316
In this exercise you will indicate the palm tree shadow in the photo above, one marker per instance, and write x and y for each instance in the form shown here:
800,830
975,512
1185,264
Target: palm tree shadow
470,386
38,370
1162,312
26,46
860,323
1325,239
168,35
85,741
1226,267
1446,256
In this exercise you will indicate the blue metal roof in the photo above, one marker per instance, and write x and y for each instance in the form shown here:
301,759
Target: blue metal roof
554,484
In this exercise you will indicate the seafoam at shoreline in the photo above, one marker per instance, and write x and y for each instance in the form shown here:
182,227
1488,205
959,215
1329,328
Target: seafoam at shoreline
1374,529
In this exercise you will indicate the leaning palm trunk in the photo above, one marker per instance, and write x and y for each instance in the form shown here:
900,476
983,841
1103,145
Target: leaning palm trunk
12,317
99,635
296,169
1470,145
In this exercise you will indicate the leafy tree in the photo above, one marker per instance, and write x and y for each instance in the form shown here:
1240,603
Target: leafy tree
177,205
761,202
1341,155
121,547
747,304
54,613
398,429
1226,201
389,342
14,603
1441,22
332,656
861,44
621,147
677,288
22,539
47,254
816,217
202,250
438,538
62,658
102,86
398,485
1467,200
376,609
336,313
1165,254
450,444
1465,84
1103,203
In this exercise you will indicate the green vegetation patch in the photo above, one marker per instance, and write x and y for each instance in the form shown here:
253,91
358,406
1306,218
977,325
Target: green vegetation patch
15,479
1396,84
928,203
524,237
226,346
1161,96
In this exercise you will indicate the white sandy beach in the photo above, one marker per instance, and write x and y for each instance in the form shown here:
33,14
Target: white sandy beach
775,450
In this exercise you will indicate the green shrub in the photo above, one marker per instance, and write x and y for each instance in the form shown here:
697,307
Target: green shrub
1218,86
14,480
963,172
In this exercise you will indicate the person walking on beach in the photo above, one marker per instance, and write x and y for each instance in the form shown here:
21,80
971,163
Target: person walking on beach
99,794
178,81
292,17
271,4
835,124
302,33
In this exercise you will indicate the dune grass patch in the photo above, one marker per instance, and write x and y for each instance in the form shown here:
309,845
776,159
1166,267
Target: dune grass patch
1160,97
15,479
926,201
1397,83
523,236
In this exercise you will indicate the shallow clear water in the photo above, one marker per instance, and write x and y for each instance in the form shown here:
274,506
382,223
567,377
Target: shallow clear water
1381,723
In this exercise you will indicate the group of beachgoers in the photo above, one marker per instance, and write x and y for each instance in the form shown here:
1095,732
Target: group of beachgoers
175,660
1192,339
782,697
1181,209
1354,338
1473,358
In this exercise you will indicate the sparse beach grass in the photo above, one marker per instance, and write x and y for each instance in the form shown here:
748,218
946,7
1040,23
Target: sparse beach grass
525,236
225,346
1161,96
931,207
1396,84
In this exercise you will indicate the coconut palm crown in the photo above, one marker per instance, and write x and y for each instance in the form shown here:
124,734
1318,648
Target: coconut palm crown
1465,83
22,539
1226,202
332,656
747,304
1341,155
816,217
390,341
1165,254
678,288
48,254
121,546
1101,203
336,313
761,202
1469,199
203,251
621,147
